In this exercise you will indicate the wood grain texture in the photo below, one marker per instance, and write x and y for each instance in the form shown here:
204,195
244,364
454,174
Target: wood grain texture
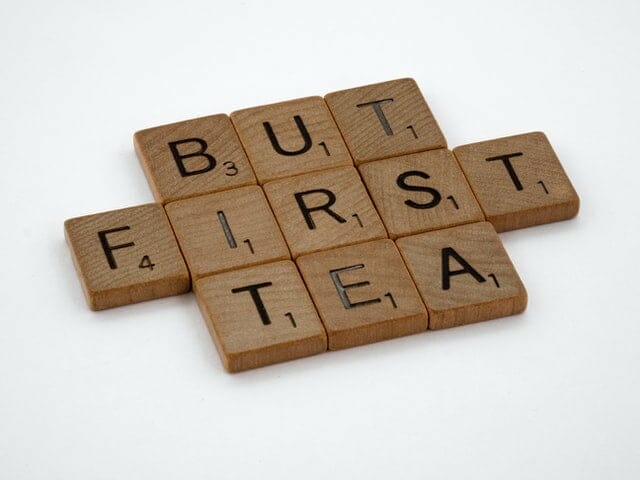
288,152
126,256
363,293
399,123
280,324
535,191
482,283
227,230
420,192
192,141
338,210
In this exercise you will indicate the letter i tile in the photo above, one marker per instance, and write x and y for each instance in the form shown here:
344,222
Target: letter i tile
226,230
260,315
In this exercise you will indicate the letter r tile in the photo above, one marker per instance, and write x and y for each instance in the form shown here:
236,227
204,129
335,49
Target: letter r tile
463,274
385,120
290,138
322,210
260,315
126,256
518,181
191,158
226,230
363,293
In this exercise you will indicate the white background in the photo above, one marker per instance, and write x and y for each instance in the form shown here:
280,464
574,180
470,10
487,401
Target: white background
138,392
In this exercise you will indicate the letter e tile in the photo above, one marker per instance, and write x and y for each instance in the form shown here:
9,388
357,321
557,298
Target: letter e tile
363,293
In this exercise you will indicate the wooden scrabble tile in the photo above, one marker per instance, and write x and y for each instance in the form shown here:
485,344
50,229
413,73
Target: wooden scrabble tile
226,230
518,181
260,315
191,158
463,274
385,120
126,256
363,293
290,138
322,210
420,192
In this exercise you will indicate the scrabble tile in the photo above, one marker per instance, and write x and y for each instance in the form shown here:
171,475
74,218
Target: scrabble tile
463,274
126,256
226,230
420,192
290,138
191,158
385,120
260,315
322,210
518,181
363,293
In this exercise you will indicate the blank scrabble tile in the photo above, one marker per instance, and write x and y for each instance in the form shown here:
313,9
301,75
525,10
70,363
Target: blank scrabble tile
385,120
363,293
191,158
260,315
290,138
463,274
126,256
323,210
518,181
226,230
420,192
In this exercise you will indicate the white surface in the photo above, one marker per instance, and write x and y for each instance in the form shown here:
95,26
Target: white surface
139,393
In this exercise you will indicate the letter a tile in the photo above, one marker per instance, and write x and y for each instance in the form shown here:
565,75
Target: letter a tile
191,158
322,210
385,120
463,274
519,181
126,256
226,230
290,138
364,293
260,315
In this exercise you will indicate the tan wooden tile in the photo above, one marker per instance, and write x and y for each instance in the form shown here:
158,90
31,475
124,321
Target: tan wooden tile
126,256
385,120
260,315
322,210
290,138
518,181
226,230
420,192
363,293
191,158
463,274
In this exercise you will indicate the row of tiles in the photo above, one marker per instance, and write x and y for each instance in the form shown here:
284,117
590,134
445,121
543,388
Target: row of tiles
359,294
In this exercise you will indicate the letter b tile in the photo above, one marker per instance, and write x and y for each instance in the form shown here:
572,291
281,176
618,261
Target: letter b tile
290,138
191,158
260,315
364,293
